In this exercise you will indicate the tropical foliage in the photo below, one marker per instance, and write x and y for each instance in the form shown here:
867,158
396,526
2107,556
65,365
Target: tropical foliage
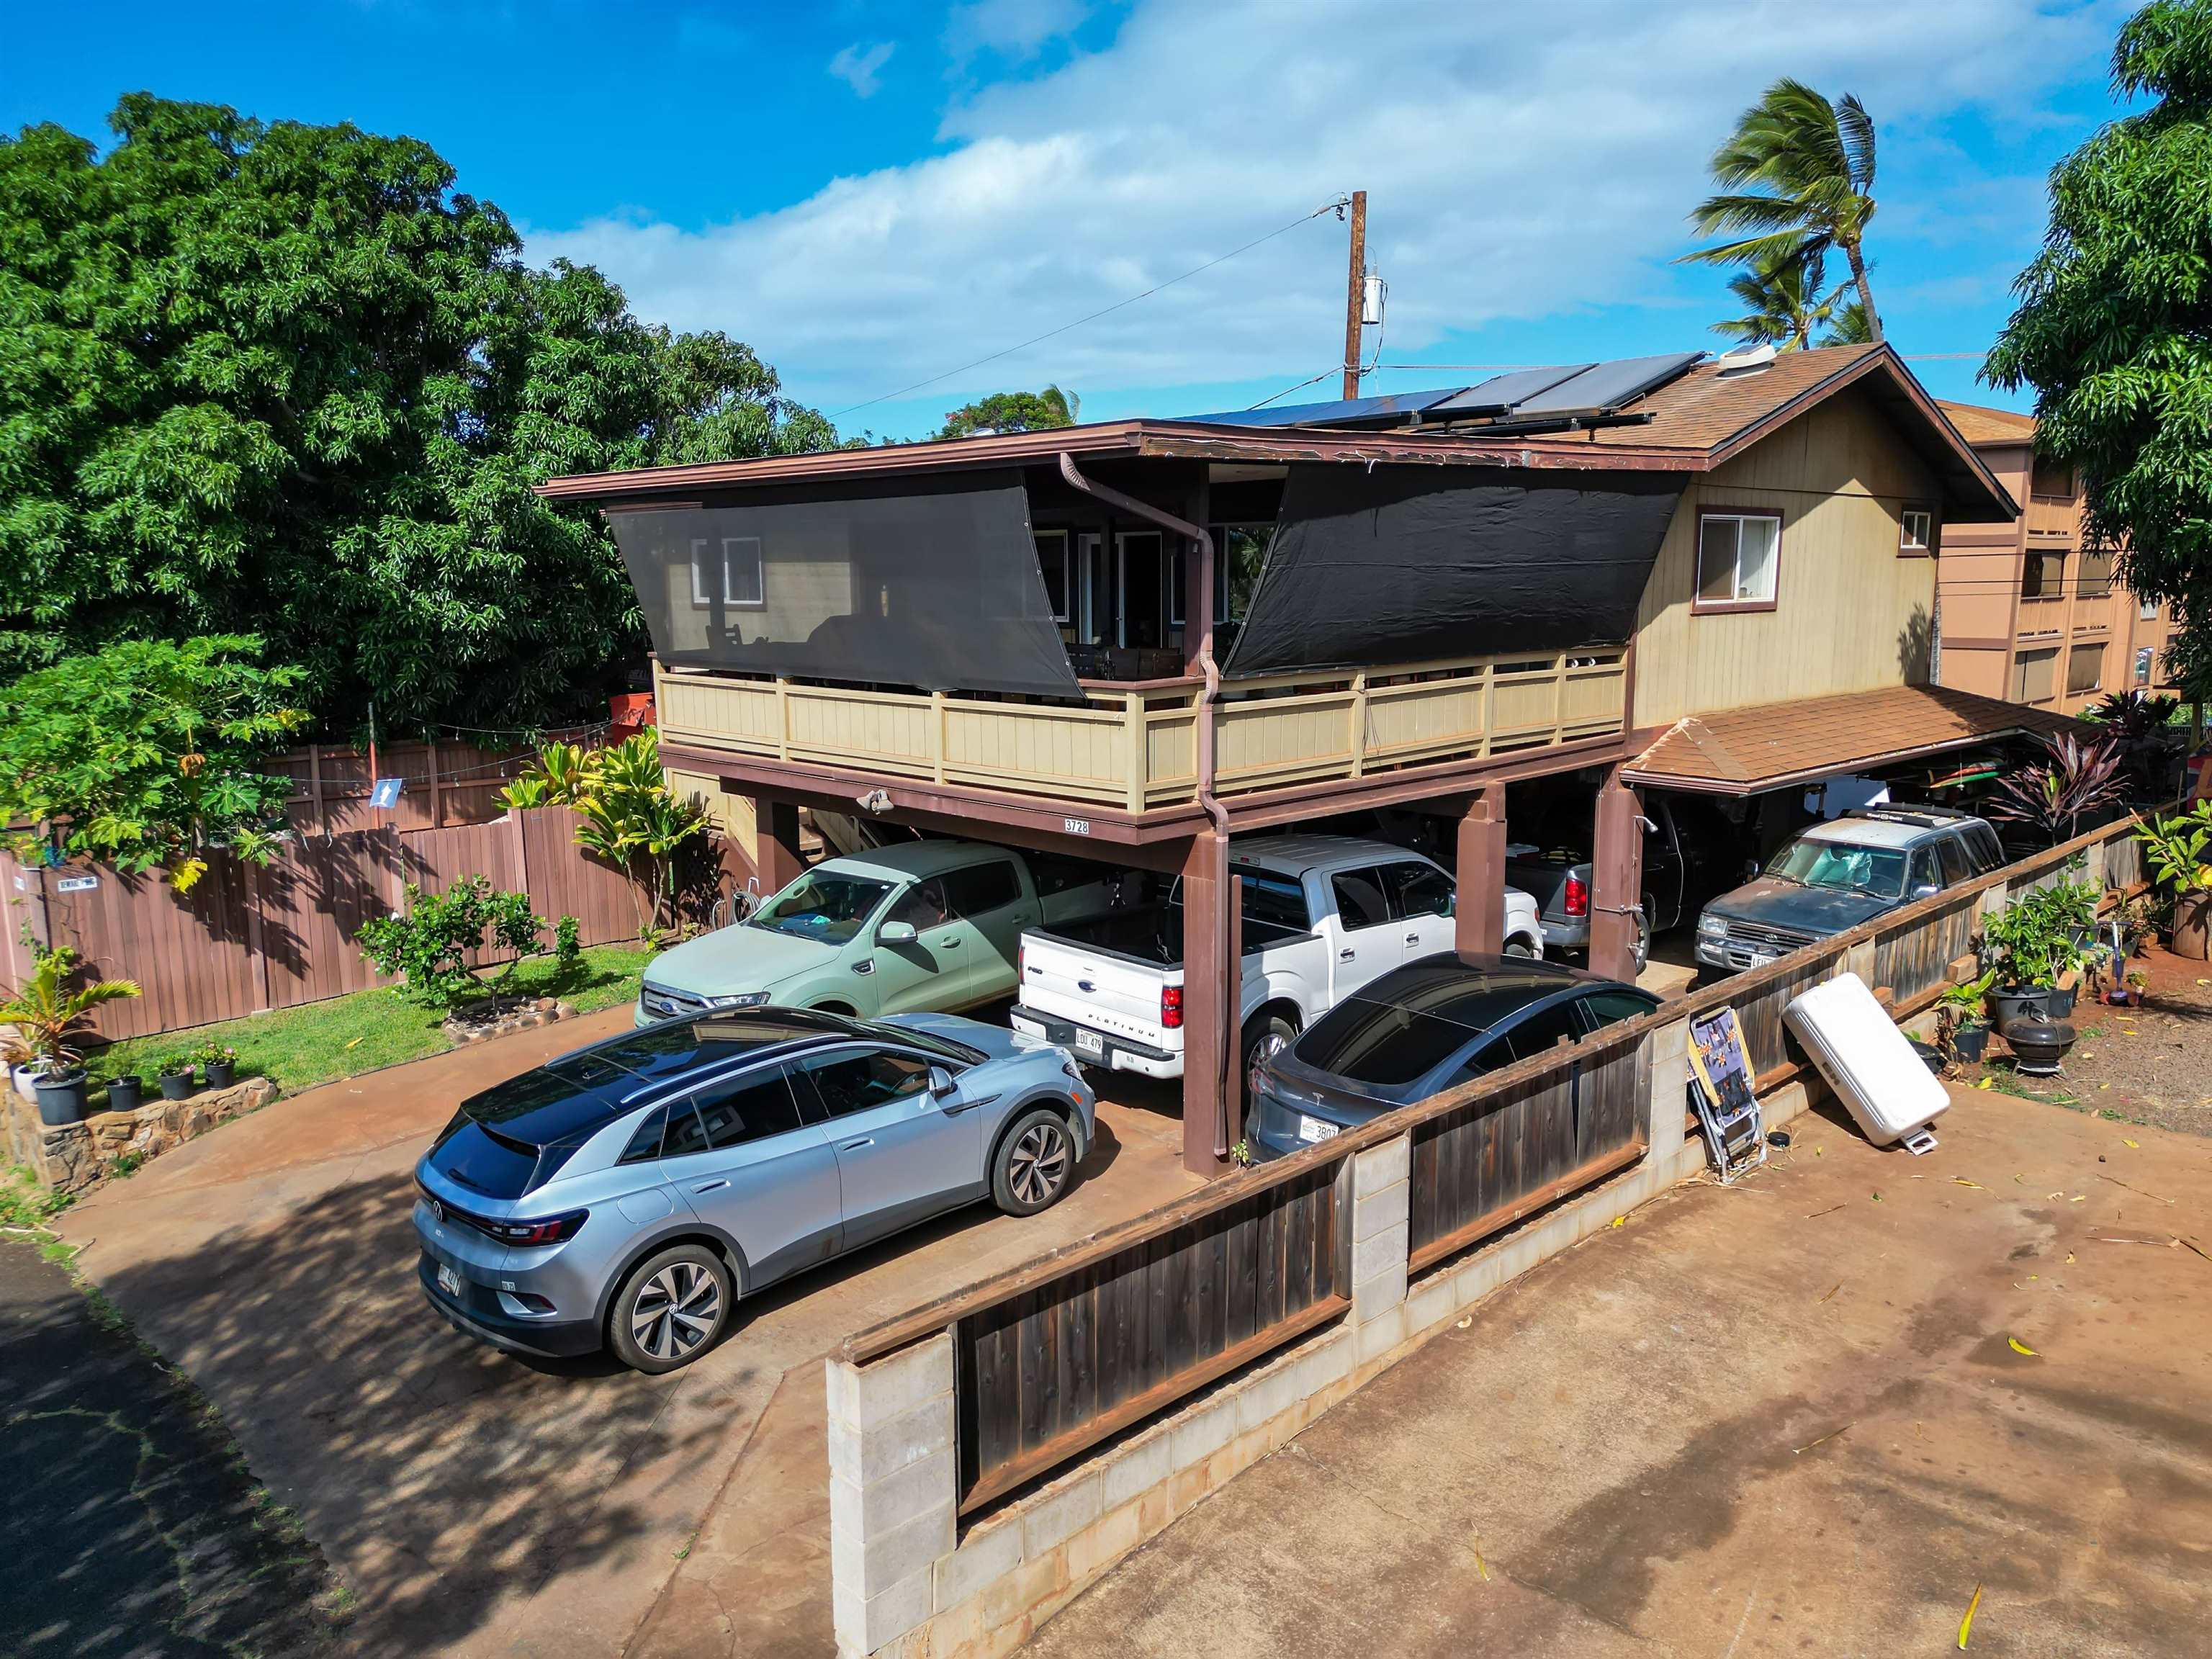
286,380
428,945
50,1017
2179,848
626,815
1014,411
2110,328
2072,780
146,754
1785,304
1797,179
2042,934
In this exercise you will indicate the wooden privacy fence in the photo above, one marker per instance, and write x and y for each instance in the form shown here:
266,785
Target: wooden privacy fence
1052,1357
444,784
247,939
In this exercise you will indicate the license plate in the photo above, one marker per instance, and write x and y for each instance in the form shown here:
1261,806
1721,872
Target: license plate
449,1281
1091,1042
1313,1130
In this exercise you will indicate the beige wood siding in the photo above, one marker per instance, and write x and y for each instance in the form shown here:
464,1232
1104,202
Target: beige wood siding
1849,615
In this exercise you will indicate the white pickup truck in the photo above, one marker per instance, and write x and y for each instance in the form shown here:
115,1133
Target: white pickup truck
1323,916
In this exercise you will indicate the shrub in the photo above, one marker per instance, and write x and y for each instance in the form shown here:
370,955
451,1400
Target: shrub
567,944
428,946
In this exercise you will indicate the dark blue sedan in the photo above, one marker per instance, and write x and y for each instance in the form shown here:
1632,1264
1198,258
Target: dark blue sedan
1418,1031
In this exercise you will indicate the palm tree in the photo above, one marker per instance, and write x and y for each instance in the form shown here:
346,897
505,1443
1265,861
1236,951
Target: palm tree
1797,176
1783,304
1848,324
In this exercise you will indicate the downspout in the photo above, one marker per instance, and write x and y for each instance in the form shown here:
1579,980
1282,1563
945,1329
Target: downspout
1207,697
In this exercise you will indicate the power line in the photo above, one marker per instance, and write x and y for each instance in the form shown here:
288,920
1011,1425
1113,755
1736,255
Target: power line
1506,368
1326,207
1333,368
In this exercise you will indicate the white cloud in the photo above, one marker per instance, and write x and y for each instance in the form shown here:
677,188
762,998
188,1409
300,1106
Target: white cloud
861,66
1516,169
1015,28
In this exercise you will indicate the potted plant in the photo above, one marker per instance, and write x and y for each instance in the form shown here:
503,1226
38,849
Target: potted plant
1961,1028
2022,956
2178,847
50,1020
175,1077
126,1093
220,1061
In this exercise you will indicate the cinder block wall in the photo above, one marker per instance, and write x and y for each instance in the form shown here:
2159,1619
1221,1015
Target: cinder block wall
910,1584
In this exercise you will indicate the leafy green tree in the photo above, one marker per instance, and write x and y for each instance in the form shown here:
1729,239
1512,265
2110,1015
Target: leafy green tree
1014,411
146,754
1798,180
285,380
2114,324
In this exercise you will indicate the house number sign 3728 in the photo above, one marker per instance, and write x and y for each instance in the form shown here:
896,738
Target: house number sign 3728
1077,826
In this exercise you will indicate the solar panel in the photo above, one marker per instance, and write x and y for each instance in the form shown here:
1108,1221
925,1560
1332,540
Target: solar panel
1343,412
1606,386
1502,392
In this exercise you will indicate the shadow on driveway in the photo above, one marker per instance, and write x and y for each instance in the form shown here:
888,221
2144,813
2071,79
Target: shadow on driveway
130,1525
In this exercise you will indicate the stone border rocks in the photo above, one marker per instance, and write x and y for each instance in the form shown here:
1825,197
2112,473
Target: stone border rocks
493,1016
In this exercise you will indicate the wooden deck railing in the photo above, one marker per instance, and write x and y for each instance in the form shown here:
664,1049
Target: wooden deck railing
1055,1356
1135,746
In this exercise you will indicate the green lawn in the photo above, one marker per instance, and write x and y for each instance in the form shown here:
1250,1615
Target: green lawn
323,1042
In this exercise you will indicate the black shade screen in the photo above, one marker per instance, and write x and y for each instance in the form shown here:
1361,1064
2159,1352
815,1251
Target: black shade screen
1417,563
930,585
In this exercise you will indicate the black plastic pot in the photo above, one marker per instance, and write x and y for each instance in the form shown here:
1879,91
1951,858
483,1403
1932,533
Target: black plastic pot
61,1098
125,1094
1970,1043
176,1085
2013,1003
221,1074
2058,1001
1930,1056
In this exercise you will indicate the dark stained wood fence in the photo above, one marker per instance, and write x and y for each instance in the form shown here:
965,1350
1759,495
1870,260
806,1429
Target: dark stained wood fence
446,783
1086,1351
1054,1357
1503,1155
246,938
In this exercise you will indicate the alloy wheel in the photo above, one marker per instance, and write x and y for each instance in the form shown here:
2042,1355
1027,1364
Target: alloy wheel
1039,1163
676,1310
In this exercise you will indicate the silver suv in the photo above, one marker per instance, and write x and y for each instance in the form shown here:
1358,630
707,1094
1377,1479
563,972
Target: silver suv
628,1195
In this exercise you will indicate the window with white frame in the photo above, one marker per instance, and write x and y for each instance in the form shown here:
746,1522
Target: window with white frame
1916,532
1052,558
2146,611
1738,553
742,580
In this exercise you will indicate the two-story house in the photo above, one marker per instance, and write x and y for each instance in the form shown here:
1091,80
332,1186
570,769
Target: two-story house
1136,639
2032,611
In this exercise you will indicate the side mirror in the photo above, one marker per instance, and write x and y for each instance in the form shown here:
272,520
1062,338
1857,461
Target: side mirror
1926,889
895,932
941,1082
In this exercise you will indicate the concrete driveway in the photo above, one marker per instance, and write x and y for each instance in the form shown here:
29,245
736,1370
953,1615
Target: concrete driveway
1785,1418
475,1503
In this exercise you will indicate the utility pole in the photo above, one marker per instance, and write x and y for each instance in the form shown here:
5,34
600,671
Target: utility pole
1354,284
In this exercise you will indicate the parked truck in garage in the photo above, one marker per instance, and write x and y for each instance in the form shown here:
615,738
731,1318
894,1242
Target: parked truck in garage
1322,916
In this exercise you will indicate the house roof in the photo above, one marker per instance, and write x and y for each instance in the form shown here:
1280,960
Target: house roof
1978,424
1692,423
1742,752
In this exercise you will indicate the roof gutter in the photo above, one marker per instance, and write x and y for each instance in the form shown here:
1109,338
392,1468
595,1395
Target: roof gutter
1218,923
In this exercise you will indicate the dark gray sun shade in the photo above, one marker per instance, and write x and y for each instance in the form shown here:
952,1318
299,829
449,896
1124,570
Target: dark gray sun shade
908,582
1420,563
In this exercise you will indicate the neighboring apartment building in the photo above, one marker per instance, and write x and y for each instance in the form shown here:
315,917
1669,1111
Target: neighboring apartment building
1135,641
2029,613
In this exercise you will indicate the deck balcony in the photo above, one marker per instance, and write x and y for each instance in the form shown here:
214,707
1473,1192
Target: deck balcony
1133,745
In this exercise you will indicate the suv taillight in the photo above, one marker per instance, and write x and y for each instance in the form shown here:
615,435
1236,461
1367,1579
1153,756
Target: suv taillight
1172,1007
1578,894
554,1229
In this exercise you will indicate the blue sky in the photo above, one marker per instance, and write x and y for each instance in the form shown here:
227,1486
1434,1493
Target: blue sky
874,195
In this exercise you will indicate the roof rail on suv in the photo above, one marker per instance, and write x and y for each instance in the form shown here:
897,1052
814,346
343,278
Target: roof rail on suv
1928,817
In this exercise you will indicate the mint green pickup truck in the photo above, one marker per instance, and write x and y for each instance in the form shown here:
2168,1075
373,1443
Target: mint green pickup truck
928,926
